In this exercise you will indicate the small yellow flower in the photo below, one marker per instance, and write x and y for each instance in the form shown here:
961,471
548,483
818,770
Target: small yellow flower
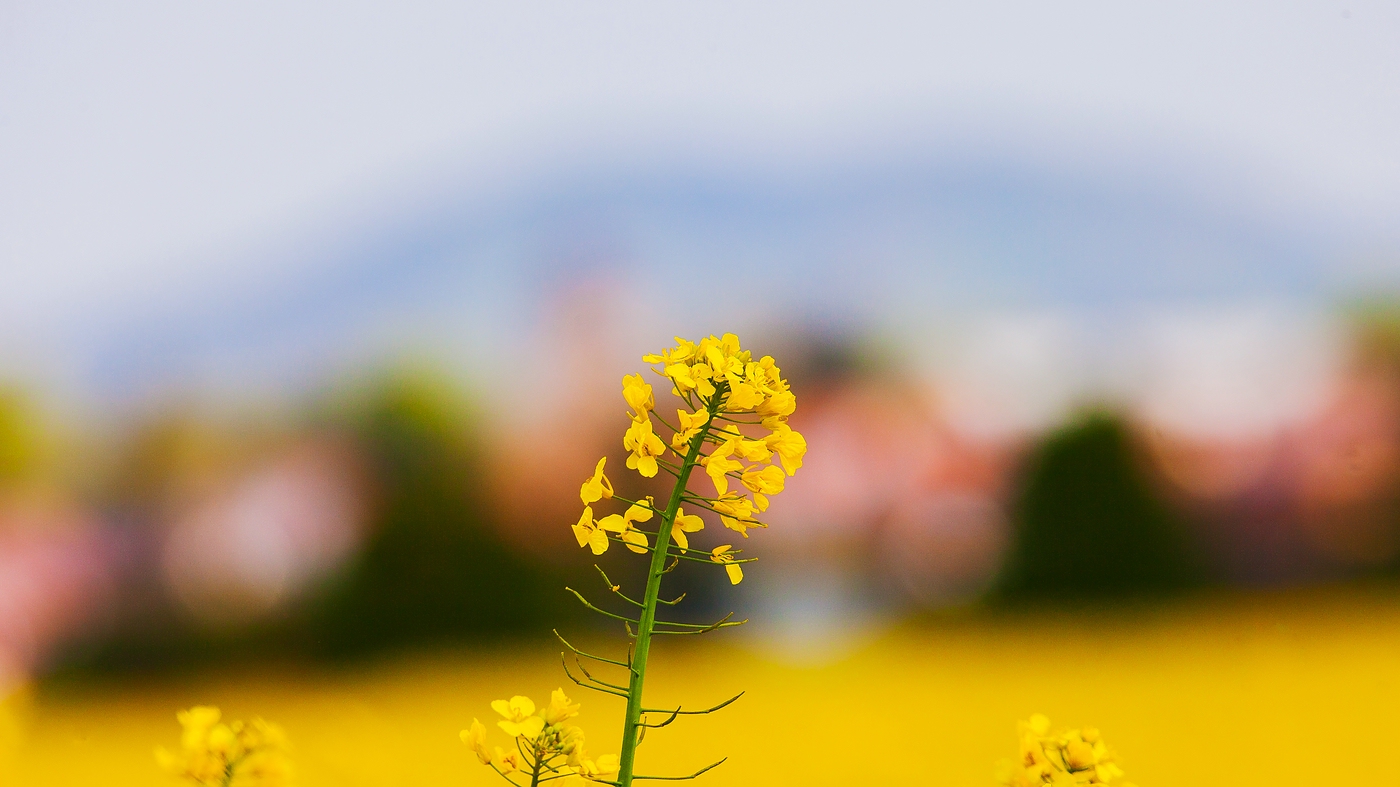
506,761
597,487
767,480
638,394
644,445
520,719
743,396
475,737
232,754
561,708
788,444
780,404
735,513
683,352
690,425
682,378
632,538
589,534
685,523
721,554
753,450
719,464
1073,757
601,769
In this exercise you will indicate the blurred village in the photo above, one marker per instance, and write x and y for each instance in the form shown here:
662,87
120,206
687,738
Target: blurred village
393,510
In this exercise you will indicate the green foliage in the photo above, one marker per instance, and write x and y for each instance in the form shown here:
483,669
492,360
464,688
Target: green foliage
434,568
1086,523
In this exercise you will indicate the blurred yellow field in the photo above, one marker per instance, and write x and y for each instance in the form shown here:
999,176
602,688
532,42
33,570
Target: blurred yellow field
1285,690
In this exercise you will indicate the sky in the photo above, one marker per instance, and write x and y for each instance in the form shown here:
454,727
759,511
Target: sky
153,153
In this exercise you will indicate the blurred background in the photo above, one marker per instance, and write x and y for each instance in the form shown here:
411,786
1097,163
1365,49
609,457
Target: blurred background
313,319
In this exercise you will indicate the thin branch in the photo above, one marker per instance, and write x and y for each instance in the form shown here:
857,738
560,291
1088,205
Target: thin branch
589,675
657,416
599,689
694,625
682,712
681,778
723,623
586,603
672,602
588,655
617,589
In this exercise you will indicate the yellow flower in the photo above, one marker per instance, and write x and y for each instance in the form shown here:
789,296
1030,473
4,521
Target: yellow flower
767,480
780,404
685,523
520,719
603,768
589,534
633,539
743,396
690,425
1073,757
721,554
718,464
681,378
506,761
638,394
736,513
233,753
597,487
475,737
561,708
644,445
683,352
197,722
753,450
703,375
788,444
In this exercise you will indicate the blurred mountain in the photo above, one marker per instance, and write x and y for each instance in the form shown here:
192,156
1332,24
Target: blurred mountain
894,247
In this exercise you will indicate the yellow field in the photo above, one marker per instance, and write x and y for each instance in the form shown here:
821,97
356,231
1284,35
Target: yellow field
1287,690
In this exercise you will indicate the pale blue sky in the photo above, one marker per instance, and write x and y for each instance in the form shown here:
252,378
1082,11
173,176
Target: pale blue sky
176,166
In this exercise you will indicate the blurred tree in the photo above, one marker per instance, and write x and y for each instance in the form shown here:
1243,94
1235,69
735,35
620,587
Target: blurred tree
1086,523
21,440
433,568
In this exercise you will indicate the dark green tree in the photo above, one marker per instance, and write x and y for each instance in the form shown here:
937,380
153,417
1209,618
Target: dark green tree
1087,524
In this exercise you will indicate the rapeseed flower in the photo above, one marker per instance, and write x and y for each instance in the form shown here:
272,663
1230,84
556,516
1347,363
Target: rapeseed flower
625,526
1071,757
214,753
727,393
597,487
546,747
589,534
637,393
644,445
722,554
520,719
734,425
685,523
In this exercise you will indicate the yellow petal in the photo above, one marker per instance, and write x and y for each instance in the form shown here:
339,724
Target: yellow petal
635,541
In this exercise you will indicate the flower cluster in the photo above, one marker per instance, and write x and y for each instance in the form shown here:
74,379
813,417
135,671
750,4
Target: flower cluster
737,408
228,754
546,747
1064,759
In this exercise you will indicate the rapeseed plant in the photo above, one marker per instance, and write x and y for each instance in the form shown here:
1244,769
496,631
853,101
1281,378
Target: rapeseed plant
1062,759
733,427
214,753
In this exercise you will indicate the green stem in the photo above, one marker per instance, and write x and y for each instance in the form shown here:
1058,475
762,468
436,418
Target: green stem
535,773
631,725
